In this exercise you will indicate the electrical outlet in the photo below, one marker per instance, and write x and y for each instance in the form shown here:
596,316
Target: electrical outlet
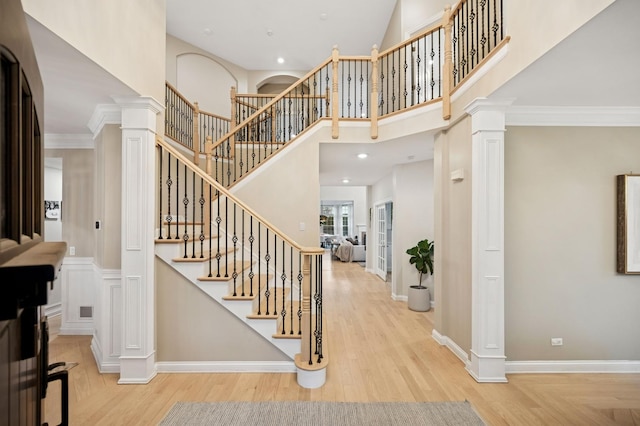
556,341
72,251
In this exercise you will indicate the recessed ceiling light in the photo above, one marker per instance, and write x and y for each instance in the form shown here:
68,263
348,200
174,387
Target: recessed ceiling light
269,32
208,31
363,155
281,60
324,16
345,180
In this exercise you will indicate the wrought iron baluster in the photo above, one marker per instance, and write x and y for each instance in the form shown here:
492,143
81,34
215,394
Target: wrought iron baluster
202,201
405,67
218,221
242,255
284,305
291,290
226,237
185,201
234,274
275,270
319,308
177,199
160,150
251,240
267,258
310,314
193,216
259,268
210,229
300,278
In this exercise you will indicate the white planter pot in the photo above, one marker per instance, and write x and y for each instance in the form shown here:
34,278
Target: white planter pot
419,298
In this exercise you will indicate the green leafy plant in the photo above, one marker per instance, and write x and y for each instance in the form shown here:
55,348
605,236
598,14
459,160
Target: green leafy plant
422,258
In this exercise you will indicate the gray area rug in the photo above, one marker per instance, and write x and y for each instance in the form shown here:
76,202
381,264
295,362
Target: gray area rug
322,413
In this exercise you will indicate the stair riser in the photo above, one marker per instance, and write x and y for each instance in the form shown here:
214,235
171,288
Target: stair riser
217,290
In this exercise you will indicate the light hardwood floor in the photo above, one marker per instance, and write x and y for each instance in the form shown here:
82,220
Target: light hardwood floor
380,351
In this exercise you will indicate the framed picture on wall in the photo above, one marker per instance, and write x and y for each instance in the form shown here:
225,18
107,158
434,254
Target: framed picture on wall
628,218
52,210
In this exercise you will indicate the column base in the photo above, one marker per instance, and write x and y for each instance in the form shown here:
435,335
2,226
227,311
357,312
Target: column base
136,370
487,369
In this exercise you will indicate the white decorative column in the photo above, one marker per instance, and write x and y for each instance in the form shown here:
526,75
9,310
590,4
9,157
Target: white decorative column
487,252
137,356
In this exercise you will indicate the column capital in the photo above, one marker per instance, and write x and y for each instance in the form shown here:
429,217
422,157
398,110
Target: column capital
487,114
139,102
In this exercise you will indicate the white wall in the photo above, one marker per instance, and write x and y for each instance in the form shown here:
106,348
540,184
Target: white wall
410,188
412,219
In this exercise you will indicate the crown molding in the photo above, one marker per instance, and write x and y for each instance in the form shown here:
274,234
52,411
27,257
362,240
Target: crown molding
102,115
573,116
69,141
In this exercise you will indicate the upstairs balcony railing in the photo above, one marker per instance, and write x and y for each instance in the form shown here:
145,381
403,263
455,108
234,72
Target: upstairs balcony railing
425,69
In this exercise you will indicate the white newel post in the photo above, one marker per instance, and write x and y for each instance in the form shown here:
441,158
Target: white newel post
137,357
487,362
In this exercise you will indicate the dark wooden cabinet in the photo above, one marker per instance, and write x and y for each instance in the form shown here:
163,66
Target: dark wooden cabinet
27,264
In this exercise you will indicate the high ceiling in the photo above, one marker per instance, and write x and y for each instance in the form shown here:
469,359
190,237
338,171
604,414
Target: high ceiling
589,68
253,34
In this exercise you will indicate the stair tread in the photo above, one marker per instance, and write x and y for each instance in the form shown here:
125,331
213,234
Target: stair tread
204,256
272,305
239,267
167,240
262,278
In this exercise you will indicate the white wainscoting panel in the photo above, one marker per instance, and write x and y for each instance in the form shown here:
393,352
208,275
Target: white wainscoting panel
78,300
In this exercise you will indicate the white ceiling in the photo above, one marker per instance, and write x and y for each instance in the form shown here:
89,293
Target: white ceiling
303,32
589,68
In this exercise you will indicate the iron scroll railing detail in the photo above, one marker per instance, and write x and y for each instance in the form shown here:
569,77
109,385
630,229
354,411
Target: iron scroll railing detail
477,29
233,242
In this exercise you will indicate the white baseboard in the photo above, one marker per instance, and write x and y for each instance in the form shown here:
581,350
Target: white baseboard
578,366
399,298
226,367
53,310
451,345
111,366
76,331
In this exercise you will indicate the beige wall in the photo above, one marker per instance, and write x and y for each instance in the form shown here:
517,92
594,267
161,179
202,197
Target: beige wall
191,326
412,219
560,244
108,196
453,222
286,191
393,34
176,47
77,198
104,31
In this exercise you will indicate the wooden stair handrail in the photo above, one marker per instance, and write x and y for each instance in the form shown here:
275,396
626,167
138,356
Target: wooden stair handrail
268,105
221,189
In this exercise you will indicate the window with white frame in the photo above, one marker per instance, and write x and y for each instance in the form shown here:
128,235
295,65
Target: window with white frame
336,218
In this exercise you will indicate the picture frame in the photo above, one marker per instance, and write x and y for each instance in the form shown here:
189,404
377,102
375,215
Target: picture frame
628,224
51,210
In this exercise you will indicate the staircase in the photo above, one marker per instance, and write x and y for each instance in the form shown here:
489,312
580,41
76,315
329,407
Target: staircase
241,261
229,251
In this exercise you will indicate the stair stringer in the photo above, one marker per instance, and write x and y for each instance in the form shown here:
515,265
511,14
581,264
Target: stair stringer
240,308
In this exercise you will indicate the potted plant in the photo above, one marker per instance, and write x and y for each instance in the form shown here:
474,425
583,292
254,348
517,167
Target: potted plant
422,258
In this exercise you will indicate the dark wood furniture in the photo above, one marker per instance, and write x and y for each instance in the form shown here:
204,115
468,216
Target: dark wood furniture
27,263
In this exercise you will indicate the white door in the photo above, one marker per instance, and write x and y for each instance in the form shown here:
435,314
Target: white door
381,241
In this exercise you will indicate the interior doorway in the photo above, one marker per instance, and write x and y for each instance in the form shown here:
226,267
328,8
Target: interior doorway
383,221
